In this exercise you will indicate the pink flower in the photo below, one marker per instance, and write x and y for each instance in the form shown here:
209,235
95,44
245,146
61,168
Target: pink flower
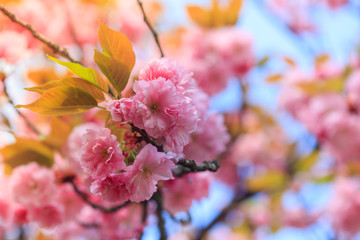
20,215
47,216
150,166
13,46
165,68
178,194
160,110
209,140
344,207
70,201
112,188
299,218
74,144
32,184
101,153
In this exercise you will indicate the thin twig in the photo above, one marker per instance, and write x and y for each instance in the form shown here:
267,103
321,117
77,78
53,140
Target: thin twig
154,33
159,210
70,179
55,47
26,120
233,204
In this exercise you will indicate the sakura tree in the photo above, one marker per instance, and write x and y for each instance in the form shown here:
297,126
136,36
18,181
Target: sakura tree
111,131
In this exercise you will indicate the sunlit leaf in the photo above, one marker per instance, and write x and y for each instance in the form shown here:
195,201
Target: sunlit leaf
289,61
44,75
24,151
59,133
322,86
305,164
117,72
88,74
274,78
216,16
115,128
262,62
323,58
71,82
269,181
62,100
117,46
232,12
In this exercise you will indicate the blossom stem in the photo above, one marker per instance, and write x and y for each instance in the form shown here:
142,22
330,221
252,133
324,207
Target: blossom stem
154,33
146,138
55,47
84,197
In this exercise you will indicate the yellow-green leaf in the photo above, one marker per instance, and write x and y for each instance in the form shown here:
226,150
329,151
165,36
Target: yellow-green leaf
116,130
269,181
24,151
322,86
116,45
274,78
117,72
89,74
62,100
71,82
59,133
305,164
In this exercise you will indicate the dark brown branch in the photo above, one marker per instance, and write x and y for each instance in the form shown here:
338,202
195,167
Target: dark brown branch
154,33
147,138
70,179
221,217
159,210
189,166
55,47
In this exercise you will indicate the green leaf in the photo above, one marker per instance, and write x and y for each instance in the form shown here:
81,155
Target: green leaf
71,82
117,72
305,164
62,100
116,45
269,181
24,151
88,74
322,86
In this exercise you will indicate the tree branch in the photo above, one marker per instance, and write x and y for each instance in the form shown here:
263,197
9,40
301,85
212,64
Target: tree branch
70,179
55,47
188,166
154,33
159,209
234,203
147,138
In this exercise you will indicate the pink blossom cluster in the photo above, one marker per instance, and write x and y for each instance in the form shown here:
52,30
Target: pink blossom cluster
216,55
344,206
167,104
179,194
114,180
36,197
330,116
